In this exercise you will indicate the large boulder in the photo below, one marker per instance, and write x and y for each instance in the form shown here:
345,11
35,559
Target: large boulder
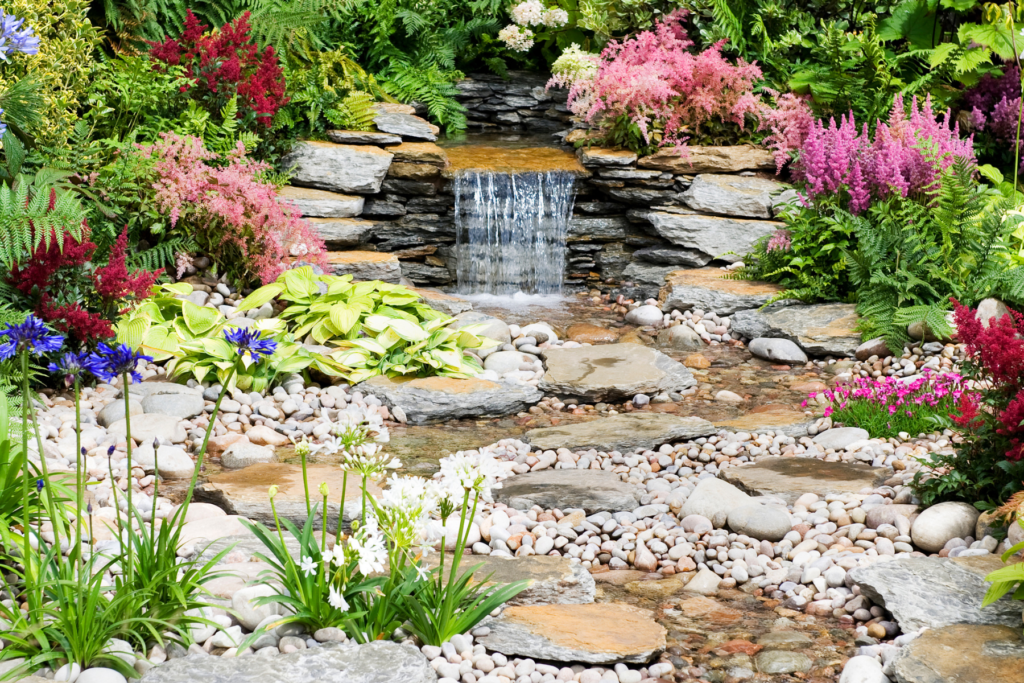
714,499
731,195
591,490
709,159
624,433
710,289
819,329
728,239
338,168
437,399
612,371
941,523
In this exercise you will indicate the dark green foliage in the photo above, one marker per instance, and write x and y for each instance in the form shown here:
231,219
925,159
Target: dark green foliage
27,221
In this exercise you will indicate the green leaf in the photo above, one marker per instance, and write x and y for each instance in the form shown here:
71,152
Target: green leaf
344,317
941,53
959,5
199,319
994,36
408,331
260,296
991,173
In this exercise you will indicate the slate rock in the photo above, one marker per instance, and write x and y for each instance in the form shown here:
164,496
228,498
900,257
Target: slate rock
714,499
338,233
731,195
358,169
763,522
709,289
437,399
625,432
408,126
710,159
728,239
790,478
670,256
553,580
365,265
603,633
591,490
649,274
321,204
363,137
936,592
819,329
612,371
381,661
600,156
962,653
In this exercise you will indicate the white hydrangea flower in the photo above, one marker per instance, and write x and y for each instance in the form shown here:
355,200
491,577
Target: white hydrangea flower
528,13
516,37
556,17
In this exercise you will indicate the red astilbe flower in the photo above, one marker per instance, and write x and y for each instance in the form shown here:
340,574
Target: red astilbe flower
44,263
968,413
74,320
997,347
114,282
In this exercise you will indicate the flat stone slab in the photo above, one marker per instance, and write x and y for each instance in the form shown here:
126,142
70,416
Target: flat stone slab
363,137
612,371
963,654
342,233
505,160
591,490
434,399
710,159
446,303
320,203
553,580
365,265
601,156
819,329
710,290
732,195
788,422
790,478
588,634
720,237
420,152
377,662
624,433
406,125
338,168
936,592
244,492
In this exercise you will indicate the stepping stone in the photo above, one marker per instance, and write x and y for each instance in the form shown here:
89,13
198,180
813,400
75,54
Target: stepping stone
624,433
244,492
151,426
612,371
553,580
730,195
789,422
321,204
588,634
439,301
365,265
406,125
342,233
709,290
435,399
963,654
841,437
720,237
709,159
586,333
592,490
363,137
357,169
936,592
709,610
790,478
381,661
819,329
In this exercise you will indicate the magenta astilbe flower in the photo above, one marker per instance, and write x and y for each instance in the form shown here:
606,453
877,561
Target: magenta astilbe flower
780,241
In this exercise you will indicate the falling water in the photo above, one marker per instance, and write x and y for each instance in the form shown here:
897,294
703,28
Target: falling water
511,231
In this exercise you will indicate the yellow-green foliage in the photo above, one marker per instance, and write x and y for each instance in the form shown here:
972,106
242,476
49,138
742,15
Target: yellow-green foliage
64,62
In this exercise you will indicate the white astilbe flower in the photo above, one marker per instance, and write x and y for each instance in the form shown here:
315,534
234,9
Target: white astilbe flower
368,546
516,38
528,13
337,600
555,17
470,471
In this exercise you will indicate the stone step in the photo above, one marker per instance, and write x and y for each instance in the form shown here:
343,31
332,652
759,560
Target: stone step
708,289
363,137
365,265
624,433
320,203
435,399
338,168
342,232
790,478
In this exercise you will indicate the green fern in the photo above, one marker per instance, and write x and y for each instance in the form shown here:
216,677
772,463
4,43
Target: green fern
27,221
162,255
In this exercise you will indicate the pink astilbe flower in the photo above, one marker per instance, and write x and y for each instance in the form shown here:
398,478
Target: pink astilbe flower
652,80
789,123
231,210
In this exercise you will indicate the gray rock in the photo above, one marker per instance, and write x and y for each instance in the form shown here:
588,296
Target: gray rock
873,347
321,204
377,662
722,238
178,405
710,289
962,653
174,462
553,580
644,273
730,195
989,309
338,168
494,328
862,669
778,350
157,388
242,454
790,478
612,371
841,437
624,433
714,499
506,361
114,411
603,229
339,233
782,662
710,159
669,256
680,338
591,490
436,399
406,125
819,329
147,427
941,523
934,592
763,522
363,137
649,316
599,156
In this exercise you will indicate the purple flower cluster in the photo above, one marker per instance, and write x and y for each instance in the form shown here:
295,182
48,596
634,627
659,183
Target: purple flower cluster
32,336
117,361
73,366
14,37
249,345
905,157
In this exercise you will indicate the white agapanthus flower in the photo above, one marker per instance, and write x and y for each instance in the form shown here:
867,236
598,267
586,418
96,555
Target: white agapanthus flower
368,545
517,38
308,566
556,17
470,471
528,13
337,600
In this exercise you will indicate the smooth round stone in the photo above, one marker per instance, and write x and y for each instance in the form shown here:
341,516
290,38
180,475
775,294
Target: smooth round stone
101,675
506,361
841,437
763,522
782,662
941,523
697,524
645,316
862,669
777,350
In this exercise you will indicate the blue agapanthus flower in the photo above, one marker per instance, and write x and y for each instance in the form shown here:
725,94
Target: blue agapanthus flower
249,344
32,335
74,366
115,362
15,37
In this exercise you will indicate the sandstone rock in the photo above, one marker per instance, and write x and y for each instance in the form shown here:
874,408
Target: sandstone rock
722,238
342,233
435,399
243,454
731,195
417,172
701,159
600,156
321,204
961,653
679,338
178,405
714,499
777,350
935,592
819,329
406,125
591,490
494,328
624,433
591,634
147,427
363,137
709,289
486,159
763,522
553,580
612,371
420,152
365,265
790,478
586,333
941,523
440,301
338,168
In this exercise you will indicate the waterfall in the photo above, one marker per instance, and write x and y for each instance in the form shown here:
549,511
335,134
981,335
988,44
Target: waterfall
511,231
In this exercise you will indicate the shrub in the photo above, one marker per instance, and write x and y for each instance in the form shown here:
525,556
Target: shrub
988,466
229,209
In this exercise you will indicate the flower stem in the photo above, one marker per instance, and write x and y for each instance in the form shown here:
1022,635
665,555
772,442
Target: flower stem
305,485
125,383
79,493
341,507
25,407
206,441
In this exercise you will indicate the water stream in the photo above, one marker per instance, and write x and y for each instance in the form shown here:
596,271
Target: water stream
511,231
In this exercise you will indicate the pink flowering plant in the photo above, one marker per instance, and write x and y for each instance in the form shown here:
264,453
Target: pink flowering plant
886,406
230,209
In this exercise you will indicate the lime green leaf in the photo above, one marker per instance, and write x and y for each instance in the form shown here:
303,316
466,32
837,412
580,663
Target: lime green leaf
344,317
199,319
260,296
408,331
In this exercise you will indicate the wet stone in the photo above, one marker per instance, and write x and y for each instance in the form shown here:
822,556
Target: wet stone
553,580
591,490
782,662
790,478
708,289
623,433
819,329
612,371
964,654
435,399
